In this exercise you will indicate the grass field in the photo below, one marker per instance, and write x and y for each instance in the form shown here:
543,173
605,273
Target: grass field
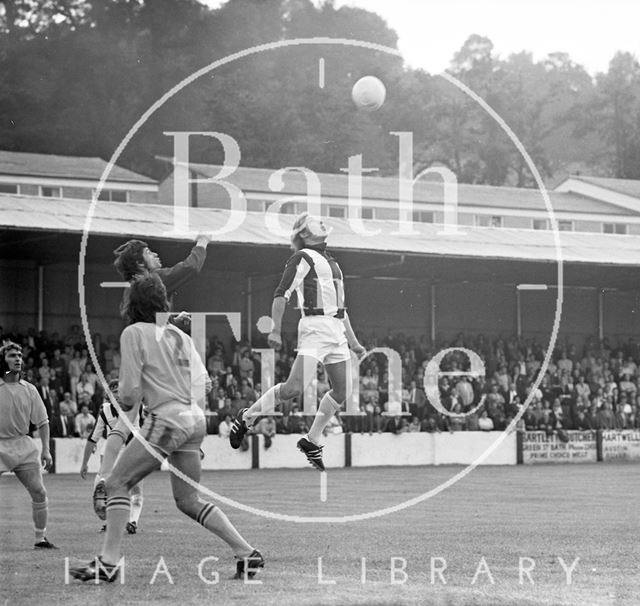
501,514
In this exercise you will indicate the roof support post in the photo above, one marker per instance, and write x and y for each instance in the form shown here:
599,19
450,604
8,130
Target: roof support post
601,314
433,313
518,313
40,298
249,309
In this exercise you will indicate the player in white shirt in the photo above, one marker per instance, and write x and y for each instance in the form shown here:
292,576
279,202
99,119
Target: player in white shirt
160,365
104,431
21,404
325,335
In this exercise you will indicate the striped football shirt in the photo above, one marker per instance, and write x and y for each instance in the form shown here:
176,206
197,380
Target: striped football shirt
107,420
317,280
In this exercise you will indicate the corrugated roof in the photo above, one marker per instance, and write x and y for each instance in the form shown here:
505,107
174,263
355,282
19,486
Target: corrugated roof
68,167
629,187
385,188
155,221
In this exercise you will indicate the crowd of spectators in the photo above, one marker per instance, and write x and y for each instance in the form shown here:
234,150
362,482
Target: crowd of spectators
60,368
595,386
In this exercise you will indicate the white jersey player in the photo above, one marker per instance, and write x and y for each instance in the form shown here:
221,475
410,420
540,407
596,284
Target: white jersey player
21,405
160,365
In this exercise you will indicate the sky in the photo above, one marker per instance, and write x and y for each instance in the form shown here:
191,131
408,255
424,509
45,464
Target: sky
431,31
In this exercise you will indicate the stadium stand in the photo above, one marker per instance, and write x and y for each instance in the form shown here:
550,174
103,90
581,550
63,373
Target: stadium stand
595,386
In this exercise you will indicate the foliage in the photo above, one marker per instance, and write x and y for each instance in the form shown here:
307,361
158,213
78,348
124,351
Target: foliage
75,75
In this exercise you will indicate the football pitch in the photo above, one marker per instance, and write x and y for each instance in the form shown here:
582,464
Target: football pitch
501,535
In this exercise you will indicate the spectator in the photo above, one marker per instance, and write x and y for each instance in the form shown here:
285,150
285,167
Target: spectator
627,386
495,400
84,389
395,424
457,422
430,424
245,366
583,422
92,377
282,423
48,396
267,427
628,368
296,423
57,383
623,414
417,401
224,429
69,409
485,423
84,422
246,392
414,426
368,384
44,371
606,418
464,391
76,367
582,392
530,420
59,423
215,363
472,421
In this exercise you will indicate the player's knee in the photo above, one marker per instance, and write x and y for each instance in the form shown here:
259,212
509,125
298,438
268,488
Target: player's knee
38,493
291,389
188,505
339,395
115,485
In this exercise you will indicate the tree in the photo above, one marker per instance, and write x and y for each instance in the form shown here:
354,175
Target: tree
618,106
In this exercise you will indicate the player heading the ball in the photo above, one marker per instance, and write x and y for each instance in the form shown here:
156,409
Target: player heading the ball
324,335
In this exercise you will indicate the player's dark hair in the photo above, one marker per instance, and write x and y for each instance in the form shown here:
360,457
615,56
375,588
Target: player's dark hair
147,297
128,258
4,350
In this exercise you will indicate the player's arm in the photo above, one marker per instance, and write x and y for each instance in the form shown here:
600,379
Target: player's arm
354,344
174,277
45,455
200,378
90,445
277,312
40,419
89,449
131,354
293,276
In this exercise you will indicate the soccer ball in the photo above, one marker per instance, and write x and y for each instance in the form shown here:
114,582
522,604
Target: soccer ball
368,93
